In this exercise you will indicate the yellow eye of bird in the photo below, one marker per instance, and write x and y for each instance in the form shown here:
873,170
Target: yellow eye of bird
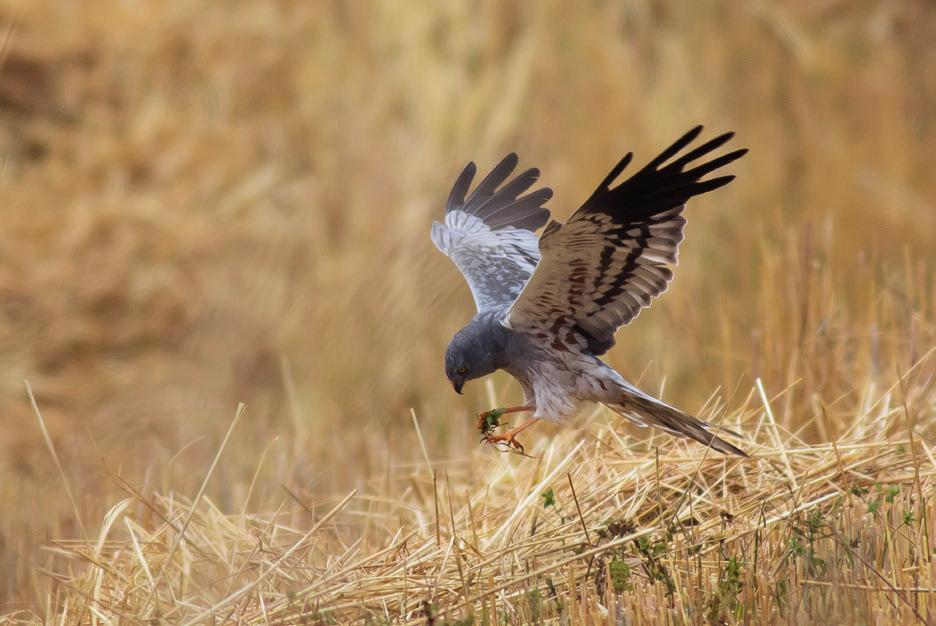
462,370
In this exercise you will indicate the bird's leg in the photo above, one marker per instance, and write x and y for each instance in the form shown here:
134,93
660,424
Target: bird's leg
489,420
510,437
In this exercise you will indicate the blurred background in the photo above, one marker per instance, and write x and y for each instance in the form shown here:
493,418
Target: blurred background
212,202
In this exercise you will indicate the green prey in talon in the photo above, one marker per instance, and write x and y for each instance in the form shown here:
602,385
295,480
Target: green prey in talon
488,421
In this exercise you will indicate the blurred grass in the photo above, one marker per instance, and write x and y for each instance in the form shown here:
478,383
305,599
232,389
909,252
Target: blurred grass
207,203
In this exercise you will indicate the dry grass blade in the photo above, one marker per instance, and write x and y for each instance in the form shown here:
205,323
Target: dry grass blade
58,464
201,490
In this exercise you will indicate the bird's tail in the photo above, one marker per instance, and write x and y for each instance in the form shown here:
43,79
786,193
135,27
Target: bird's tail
644,410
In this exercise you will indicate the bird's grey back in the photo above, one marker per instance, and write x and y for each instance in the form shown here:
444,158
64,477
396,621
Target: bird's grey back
486,336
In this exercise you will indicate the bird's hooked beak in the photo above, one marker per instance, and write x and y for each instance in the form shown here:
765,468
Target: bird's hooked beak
457,385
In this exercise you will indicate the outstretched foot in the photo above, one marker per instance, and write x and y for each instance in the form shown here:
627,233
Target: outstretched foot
508,438
490,420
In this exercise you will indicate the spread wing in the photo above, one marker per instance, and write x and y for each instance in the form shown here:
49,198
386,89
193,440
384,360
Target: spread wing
490,235
613,255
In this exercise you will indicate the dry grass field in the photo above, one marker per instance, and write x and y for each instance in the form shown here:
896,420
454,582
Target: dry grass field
208,203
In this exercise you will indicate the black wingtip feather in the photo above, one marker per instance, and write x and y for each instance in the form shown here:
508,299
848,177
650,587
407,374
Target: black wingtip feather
460,189
500,204
702,150
712,184
521,210
616,171
659,186
497,176
674,149
700,171
667,197
501,198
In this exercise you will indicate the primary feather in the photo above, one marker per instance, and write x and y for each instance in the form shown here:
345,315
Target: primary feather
490,234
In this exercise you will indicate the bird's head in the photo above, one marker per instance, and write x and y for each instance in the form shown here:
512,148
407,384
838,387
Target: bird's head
468,357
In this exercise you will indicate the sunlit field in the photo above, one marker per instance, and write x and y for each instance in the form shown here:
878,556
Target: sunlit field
207,204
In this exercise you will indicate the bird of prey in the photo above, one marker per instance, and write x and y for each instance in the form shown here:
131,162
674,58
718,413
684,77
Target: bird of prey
548,307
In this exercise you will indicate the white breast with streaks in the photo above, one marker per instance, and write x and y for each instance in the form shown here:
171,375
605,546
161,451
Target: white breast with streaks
560,384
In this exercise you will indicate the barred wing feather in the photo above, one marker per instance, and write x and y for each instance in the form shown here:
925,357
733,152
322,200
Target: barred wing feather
613,256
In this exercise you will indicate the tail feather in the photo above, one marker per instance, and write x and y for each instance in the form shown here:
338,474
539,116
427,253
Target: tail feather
647,411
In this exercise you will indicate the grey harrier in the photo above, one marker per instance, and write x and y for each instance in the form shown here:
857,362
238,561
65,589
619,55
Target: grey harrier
548,307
